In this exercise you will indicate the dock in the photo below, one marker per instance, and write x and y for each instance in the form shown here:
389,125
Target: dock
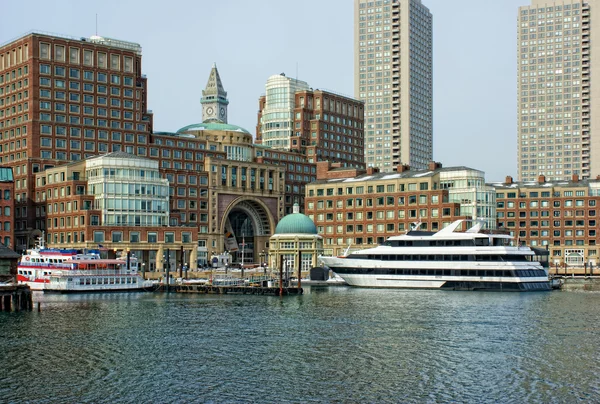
581,283
15,298
233,289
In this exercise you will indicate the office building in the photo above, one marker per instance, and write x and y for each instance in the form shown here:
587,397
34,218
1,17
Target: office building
558,58
393,75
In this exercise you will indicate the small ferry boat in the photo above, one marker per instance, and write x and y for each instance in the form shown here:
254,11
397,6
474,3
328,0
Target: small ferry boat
97,275
71,270
37,264
447,259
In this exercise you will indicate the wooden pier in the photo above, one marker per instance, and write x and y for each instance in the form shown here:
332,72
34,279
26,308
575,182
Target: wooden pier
15,298
233,289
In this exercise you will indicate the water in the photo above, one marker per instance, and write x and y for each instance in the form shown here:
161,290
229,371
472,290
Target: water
334,344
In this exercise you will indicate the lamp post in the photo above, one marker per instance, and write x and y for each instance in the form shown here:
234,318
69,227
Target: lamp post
185,267
262,262
168,267
143,270
213,264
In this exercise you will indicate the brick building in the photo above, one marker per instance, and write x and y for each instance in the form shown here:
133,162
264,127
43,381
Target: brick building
561,216
361,208
321,125
64,99
117,201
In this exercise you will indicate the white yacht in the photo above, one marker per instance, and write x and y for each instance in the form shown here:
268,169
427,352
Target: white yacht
447,259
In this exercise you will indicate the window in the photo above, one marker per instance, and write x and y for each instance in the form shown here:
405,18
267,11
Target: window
44,50
115,62
59,53
88,57
102,60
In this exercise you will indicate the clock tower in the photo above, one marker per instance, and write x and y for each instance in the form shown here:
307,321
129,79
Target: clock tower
214,99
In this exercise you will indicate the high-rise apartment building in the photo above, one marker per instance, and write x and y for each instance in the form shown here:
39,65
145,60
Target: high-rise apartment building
558,58
393,74
322,125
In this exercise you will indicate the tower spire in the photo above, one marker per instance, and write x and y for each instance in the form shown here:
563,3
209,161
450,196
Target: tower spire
214,98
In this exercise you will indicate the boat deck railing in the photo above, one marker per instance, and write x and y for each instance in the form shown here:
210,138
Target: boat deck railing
88,272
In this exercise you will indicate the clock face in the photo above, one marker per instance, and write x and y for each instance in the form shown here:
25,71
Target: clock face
209,110
222,111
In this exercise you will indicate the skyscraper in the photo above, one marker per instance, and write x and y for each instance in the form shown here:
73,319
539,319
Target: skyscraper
393,74
558,56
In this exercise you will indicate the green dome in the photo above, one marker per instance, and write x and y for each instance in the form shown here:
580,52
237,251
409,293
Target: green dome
213,126
296,223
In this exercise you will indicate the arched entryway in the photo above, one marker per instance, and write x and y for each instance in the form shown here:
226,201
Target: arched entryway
246,225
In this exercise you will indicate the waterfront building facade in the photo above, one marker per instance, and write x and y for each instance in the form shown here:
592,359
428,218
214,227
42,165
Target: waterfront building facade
64,99
118,202
557,61
361,208
321,125
68,99
57,92
561,216
393,67
245,197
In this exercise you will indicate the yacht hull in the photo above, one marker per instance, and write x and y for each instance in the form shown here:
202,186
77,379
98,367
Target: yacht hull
447,283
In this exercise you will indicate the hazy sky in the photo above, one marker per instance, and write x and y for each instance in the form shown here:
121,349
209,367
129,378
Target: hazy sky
474,59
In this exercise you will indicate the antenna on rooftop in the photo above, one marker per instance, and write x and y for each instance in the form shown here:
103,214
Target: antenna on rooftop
96,24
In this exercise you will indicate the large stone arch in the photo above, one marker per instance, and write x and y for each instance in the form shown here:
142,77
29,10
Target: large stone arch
263,222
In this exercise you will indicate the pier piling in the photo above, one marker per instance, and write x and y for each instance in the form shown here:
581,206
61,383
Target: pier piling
15,298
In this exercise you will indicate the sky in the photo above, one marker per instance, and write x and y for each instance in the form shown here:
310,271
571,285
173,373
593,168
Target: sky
474,56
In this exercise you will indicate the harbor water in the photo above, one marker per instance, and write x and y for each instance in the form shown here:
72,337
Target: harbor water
336,344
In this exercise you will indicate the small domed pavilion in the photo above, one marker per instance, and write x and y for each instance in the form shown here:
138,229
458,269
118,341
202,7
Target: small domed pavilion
295,241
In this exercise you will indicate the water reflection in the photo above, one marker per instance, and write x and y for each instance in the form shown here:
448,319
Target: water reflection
335,344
